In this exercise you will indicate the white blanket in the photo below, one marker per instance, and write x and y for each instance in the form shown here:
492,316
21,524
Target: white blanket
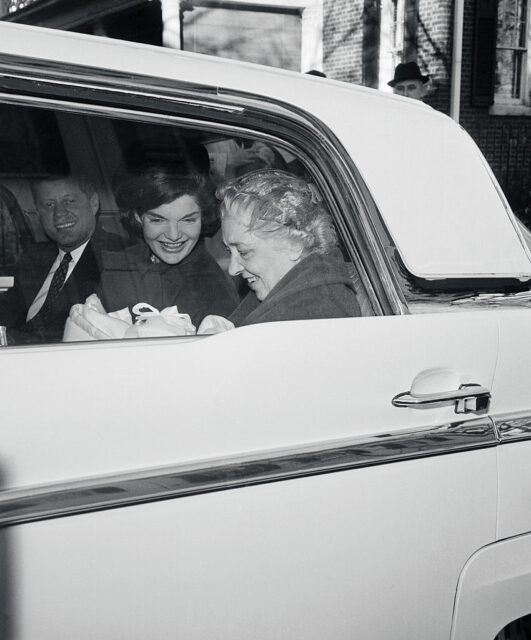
90,321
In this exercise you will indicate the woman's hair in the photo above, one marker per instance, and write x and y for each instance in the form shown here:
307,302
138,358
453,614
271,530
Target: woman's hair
149,188
279,202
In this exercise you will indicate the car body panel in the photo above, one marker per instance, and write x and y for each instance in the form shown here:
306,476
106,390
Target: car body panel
514,516
510,392
177,400
511,406
283,560
493,589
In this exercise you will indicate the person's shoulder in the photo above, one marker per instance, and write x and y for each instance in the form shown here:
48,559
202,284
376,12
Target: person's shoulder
124,257
328,268
200,261
37,252
103,240
203,273
210,268
314,270
318,287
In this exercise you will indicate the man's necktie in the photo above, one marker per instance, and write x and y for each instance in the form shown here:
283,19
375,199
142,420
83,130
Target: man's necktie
46,312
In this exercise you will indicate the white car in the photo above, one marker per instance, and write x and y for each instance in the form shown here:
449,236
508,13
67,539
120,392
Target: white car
364,477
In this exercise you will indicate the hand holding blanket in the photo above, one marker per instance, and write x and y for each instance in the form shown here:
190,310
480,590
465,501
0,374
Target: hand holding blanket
90,321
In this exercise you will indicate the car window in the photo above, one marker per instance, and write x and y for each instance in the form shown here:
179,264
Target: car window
31,145
459,294
85,185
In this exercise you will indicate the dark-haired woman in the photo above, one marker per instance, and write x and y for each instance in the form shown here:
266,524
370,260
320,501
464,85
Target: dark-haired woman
171,213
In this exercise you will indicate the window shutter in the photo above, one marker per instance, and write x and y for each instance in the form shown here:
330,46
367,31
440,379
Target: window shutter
484,64
411,11
371,42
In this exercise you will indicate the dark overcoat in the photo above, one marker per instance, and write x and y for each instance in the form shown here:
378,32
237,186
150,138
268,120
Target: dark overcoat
317,287
197,285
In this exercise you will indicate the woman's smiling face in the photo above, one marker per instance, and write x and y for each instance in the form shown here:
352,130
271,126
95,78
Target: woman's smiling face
262,259
172,230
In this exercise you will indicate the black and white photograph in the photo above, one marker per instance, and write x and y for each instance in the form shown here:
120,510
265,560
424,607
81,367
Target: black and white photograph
265,319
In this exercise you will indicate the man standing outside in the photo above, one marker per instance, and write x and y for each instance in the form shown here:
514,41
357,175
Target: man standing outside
409,81
51,276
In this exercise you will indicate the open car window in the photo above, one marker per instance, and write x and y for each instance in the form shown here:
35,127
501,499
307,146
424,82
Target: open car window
146,271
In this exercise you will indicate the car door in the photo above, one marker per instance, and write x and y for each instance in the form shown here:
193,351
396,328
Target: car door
500,573
266,481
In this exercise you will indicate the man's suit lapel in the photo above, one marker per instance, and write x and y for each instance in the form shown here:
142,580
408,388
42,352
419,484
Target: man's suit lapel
83,279
39,266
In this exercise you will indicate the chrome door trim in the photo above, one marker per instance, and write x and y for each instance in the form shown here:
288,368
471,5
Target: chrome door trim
107,492
512,427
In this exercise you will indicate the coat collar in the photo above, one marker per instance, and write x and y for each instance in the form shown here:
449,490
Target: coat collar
138,258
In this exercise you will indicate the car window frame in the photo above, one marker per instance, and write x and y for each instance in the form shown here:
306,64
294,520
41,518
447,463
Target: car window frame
94,91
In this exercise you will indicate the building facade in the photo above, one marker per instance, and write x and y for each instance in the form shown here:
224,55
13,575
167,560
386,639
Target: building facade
483,80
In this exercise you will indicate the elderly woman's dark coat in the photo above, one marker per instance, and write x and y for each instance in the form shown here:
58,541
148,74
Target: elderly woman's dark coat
197,284
317,287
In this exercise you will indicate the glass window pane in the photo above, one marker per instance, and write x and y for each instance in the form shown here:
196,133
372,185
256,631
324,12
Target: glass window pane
391,39
30,140
127,211
511,20
264,37
508,74
522,24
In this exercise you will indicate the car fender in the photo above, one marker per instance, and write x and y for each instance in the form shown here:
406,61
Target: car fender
494,589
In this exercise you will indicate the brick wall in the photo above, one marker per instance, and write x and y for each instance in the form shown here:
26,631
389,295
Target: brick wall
343,39
343,43
504,140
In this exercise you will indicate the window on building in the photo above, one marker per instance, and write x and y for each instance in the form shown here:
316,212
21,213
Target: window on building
264,36
513,59
398,36
391,39
287,35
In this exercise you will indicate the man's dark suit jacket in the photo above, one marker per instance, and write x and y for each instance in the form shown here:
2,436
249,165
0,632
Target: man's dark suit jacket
31,271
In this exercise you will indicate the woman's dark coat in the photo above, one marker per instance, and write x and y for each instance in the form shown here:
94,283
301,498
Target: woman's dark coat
317,287
197,284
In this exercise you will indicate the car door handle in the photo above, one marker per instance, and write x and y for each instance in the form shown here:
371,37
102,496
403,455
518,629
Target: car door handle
469,398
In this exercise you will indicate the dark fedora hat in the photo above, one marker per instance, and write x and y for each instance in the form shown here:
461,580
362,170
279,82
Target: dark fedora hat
407,71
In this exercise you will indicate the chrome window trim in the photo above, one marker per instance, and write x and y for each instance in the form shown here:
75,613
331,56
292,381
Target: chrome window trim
182,480
363,235
195,102
513,427
132,114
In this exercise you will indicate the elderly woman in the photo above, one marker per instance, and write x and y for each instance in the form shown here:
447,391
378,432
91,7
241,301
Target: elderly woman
170,213
283,243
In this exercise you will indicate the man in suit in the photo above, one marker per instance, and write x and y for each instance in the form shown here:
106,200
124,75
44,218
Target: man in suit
52,276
